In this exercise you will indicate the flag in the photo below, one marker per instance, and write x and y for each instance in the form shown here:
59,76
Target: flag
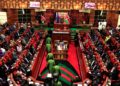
57,18
43,19
23,11
67,19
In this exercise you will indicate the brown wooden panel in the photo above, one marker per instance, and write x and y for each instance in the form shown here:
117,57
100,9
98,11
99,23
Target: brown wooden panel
33,15
112,18
62,4
61,36
12,16
92,14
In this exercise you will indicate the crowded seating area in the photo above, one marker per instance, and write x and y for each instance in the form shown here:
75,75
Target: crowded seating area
59,42
100,56
18,54
23,50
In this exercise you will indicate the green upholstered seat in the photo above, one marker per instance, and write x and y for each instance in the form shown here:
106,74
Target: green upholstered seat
56,68
56,71
49,56
48,40
48,48
51,64
58,83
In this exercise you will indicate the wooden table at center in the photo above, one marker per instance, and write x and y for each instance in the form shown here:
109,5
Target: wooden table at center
61,35
60,55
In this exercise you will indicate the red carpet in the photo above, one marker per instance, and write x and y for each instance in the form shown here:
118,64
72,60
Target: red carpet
44,63
72,57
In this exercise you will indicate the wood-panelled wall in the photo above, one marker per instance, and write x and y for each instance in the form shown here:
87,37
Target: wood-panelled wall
92,15
12,15
112,18
62,4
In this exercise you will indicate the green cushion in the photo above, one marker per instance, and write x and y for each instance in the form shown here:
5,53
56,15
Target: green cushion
56,71
50,56
56,68
58,83
51,64
48,48
48,40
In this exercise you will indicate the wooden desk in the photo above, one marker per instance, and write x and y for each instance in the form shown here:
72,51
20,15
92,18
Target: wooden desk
61,35
61,26
60,55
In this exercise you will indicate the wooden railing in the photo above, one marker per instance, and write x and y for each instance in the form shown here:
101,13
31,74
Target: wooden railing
81,64
38,62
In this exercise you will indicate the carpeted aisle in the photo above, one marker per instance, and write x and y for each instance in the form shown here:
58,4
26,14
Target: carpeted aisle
72,57
68,73
69,69
44,63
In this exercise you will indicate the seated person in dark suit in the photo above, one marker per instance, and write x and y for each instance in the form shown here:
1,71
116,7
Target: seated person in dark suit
11,28
7,32
23,42
76,40
32,49
114,73
32,30
14,56
26,38
3,76
2,37
20,79
29,56
16,35
5,44
21,30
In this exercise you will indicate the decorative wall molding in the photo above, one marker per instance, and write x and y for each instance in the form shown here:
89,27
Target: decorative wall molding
61,4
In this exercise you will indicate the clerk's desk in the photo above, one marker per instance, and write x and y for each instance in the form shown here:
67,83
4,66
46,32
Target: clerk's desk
60,55
61,52
61,26
61,35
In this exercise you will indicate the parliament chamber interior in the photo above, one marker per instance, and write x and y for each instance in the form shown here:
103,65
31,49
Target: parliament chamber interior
59,42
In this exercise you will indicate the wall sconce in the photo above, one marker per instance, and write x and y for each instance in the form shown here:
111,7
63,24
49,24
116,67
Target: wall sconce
23,5
117,6
80,4
62,5
46,6
110,6
104,6
76,6
49,4
100,7
113,8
